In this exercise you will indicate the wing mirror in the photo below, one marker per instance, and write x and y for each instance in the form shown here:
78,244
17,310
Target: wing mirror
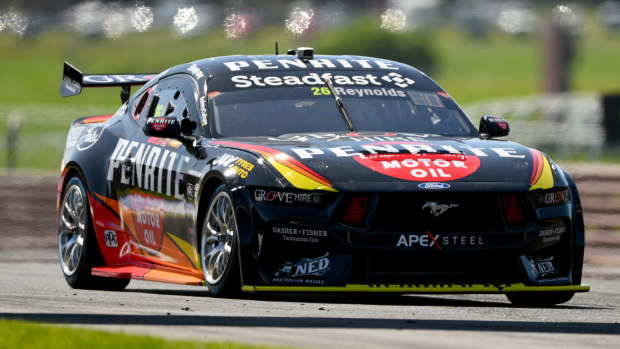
166,127
493,126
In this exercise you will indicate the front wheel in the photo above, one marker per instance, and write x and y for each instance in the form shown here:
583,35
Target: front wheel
539,299
218,247
77,244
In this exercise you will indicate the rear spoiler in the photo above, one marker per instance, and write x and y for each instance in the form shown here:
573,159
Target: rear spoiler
73,80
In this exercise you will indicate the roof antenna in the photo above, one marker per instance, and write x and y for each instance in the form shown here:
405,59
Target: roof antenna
276,48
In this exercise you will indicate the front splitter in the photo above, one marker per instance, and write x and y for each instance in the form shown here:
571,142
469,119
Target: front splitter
423,288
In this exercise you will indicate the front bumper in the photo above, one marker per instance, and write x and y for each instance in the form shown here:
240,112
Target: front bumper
309,249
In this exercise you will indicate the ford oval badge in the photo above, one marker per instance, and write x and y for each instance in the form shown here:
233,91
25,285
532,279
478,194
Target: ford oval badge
434,185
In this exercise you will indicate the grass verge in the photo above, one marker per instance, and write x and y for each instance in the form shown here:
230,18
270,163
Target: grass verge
26,335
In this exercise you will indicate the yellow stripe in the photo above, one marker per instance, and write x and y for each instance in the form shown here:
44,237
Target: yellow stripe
422,288
297,179
546,177
186,248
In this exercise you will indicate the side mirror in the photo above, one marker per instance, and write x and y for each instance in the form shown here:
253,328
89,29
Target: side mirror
493,126
166,127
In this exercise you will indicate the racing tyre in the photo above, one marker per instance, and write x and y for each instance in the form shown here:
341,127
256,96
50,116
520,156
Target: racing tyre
539,299
218,247
77,244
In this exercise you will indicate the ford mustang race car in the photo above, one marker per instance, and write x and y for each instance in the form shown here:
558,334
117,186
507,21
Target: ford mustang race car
310,173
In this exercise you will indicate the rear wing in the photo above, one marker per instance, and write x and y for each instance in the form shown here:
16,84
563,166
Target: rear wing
73,80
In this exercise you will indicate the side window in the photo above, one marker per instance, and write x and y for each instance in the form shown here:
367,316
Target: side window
175,97
137,112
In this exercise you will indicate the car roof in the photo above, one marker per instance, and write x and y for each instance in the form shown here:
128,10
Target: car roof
211,67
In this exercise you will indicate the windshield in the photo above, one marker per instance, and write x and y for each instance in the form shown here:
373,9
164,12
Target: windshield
263,110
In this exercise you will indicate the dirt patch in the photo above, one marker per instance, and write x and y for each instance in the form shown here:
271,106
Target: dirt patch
28,211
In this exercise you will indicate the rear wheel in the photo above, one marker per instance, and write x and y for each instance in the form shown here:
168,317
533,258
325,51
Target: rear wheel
77,244
218,248
539,299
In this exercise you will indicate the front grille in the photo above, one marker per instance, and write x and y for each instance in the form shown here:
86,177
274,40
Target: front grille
433,267
437,212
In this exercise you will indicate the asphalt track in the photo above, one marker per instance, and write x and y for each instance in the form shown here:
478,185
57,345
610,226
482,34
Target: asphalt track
32,288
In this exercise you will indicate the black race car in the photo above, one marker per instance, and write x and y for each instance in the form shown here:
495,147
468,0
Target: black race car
310,173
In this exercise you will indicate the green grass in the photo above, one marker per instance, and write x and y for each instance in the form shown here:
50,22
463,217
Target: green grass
503,65
26,335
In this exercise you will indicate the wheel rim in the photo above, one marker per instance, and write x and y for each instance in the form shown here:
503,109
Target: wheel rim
218,237
71,231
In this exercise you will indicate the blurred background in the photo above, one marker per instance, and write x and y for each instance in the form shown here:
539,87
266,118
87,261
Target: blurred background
551,68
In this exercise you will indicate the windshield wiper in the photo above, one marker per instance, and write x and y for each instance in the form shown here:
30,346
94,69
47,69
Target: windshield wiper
339,104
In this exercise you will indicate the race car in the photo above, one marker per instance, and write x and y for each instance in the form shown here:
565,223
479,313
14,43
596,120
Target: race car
299,172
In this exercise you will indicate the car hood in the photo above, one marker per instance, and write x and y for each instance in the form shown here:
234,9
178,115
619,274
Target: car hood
398,161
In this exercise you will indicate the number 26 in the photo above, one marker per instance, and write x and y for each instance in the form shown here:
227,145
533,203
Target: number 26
320,91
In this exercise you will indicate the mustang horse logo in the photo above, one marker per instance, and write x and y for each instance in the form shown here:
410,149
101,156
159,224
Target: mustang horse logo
437,210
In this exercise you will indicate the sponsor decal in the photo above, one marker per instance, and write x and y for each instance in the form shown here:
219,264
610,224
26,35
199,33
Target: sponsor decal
148,215
159,124
558,197
421,167
323,270
70,84
110,238
319,63
299,234
438,209
147,172
194,173
164,142
310,79
501,122
399,146
540,267
375,92
551,197
552,234
203,111
456,287
307,266
90,136
543,270
313,79
196,71
439,241
282,197
413,161
74,134
235,165
306,271
433,185
190,191
398,80
545,266
103,79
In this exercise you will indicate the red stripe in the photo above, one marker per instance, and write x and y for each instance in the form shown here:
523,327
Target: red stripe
436,243
95,119
538,165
